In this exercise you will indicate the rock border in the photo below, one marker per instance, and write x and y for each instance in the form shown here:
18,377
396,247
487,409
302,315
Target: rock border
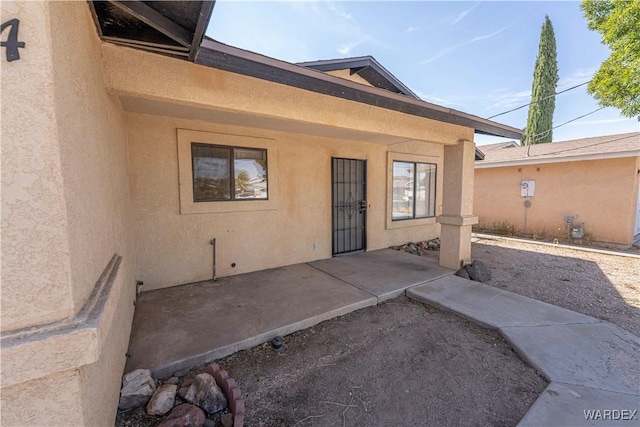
231,389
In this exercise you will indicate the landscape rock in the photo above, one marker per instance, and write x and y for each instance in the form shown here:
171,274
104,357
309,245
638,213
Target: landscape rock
172,380
205,393
185,415
463,273
137,388
478,271
162,400
210,423
182,392
227,420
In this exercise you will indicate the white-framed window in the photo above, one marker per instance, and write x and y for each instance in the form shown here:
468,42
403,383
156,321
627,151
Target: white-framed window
414,190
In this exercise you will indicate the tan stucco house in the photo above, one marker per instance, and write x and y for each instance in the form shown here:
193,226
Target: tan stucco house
130,144
588,188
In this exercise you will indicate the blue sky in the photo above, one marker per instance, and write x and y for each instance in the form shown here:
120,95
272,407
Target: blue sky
477,57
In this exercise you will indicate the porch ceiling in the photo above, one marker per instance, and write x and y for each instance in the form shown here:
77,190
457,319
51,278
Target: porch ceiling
189,112
173,28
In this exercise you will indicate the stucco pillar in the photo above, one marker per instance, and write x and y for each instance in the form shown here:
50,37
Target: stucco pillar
457,204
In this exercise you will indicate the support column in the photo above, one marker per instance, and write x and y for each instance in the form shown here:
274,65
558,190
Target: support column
457,204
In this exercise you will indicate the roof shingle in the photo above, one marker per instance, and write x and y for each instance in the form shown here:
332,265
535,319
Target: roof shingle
620,145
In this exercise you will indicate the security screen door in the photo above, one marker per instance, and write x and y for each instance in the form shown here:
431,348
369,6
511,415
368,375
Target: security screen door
349,205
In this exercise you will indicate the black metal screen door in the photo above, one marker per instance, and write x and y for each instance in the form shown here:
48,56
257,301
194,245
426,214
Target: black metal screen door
349,205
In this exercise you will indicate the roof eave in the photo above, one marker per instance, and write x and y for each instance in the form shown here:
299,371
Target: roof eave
218,55
541,160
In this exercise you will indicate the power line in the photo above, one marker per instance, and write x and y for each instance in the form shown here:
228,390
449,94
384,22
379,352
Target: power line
546,132
539,100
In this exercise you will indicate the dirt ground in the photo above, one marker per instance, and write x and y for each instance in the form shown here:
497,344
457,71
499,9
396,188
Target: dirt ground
405,363
401,363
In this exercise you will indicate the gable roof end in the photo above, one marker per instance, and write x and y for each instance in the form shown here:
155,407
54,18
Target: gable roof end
366,67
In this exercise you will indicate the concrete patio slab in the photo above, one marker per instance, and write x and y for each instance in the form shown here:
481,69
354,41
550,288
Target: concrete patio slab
598,355
183,326
386,273
492,307
571,405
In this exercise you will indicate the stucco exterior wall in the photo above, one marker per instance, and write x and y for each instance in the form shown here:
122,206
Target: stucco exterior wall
141,75
598,193
35,248
65,214
173,248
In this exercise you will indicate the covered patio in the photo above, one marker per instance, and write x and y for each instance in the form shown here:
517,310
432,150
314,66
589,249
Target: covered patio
183,326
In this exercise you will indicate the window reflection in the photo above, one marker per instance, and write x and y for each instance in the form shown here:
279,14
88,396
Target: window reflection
213,169
414,190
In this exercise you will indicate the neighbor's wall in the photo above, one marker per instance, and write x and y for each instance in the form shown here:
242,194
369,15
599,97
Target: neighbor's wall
173,248
598,193
65,213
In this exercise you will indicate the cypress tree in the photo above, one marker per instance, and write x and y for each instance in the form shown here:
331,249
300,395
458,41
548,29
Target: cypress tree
545,80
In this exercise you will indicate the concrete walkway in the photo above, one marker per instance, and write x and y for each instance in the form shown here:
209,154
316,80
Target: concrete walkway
187,325
593,366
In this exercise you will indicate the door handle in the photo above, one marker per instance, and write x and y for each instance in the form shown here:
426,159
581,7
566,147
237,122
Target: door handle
363,206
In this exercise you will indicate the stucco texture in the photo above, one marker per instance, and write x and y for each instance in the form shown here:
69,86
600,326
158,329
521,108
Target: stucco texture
35,248
65,212
173,248
599,193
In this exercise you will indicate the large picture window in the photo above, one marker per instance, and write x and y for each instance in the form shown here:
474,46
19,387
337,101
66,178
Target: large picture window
228,173
414,190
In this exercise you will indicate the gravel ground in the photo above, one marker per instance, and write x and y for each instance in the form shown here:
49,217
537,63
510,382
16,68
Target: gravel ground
599,285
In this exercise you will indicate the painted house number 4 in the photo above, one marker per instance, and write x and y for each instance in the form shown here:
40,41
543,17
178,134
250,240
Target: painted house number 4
11,44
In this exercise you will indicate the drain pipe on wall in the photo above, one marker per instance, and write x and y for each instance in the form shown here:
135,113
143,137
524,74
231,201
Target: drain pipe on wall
213,243
568,219
527,205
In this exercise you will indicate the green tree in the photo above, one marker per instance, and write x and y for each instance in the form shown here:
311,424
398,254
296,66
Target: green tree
242,181
617,82
545,80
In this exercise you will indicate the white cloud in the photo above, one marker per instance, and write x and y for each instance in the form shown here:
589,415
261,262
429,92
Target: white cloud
447,50
599,121
578,76
511,99
345,49
339,11
435,99
411,29
464,13
489,36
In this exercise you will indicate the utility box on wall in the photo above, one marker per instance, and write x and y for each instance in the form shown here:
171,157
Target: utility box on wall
527,188
577,230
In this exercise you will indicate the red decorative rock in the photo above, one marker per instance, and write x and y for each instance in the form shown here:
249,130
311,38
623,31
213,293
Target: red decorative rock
227,385
212,369
220,376
238,420
227,420
184,415
238,406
